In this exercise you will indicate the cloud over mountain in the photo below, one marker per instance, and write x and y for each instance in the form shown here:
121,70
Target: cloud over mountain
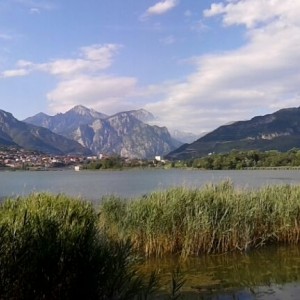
101,92
237,59
82,79
258,76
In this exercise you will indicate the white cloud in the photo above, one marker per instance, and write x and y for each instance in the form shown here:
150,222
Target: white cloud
103,53
160,8
35,10
93,59
68,67
106,94
24,64
14,73
259,77
82,80
255,12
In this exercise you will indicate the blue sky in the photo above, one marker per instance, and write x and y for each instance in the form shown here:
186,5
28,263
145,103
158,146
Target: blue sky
195,65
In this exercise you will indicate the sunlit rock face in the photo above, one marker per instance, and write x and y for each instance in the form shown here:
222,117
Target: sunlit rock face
20,134
126,133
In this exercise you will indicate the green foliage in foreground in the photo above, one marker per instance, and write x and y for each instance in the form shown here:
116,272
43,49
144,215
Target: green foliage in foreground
213,219
55,247
246,159
51,248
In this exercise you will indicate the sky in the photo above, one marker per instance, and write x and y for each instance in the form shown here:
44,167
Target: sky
196,65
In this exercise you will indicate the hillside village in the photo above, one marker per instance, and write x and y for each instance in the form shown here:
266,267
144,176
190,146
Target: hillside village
21,159
15,158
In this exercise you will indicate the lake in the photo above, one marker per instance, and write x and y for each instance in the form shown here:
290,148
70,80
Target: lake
269,273
92,185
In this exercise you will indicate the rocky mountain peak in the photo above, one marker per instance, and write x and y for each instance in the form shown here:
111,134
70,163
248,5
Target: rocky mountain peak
142,115
124,133
80,109
5,114
28,136
83,111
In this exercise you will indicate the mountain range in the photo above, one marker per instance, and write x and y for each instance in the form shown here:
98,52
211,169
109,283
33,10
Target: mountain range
126,133
278,131
14,133
129,134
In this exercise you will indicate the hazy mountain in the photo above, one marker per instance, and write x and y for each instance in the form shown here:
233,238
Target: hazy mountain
185,137
142,115
277,131
124,133
27,136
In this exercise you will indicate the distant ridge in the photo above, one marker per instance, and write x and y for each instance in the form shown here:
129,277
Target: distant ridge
277,131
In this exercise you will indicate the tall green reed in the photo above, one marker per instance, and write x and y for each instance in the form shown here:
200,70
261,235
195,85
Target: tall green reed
213,219
51,248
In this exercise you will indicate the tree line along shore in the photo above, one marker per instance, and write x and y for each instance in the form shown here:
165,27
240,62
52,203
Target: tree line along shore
252,159
18,159
57,247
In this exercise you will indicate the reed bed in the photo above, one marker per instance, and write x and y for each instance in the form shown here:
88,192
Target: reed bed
51,248
213,219
56,247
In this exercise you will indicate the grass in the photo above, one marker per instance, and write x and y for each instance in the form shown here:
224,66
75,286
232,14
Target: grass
213,219
56,247
51,248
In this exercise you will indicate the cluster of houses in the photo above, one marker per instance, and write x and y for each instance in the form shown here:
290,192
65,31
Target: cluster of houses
24,159
14,158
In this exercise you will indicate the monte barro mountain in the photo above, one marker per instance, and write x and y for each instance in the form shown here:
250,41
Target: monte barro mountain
14,133
126,133
277,131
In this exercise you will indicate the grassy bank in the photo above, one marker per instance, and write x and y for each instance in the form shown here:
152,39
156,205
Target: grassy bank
56,247
51,248
213,219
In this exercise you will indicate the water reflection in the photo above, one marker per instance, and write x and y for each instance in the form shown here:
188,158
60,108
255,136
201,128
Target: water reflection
270,273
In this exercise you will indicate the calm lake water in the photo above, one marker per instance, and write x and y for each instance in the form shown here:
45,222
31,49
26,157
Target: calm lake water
270,273
92,185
